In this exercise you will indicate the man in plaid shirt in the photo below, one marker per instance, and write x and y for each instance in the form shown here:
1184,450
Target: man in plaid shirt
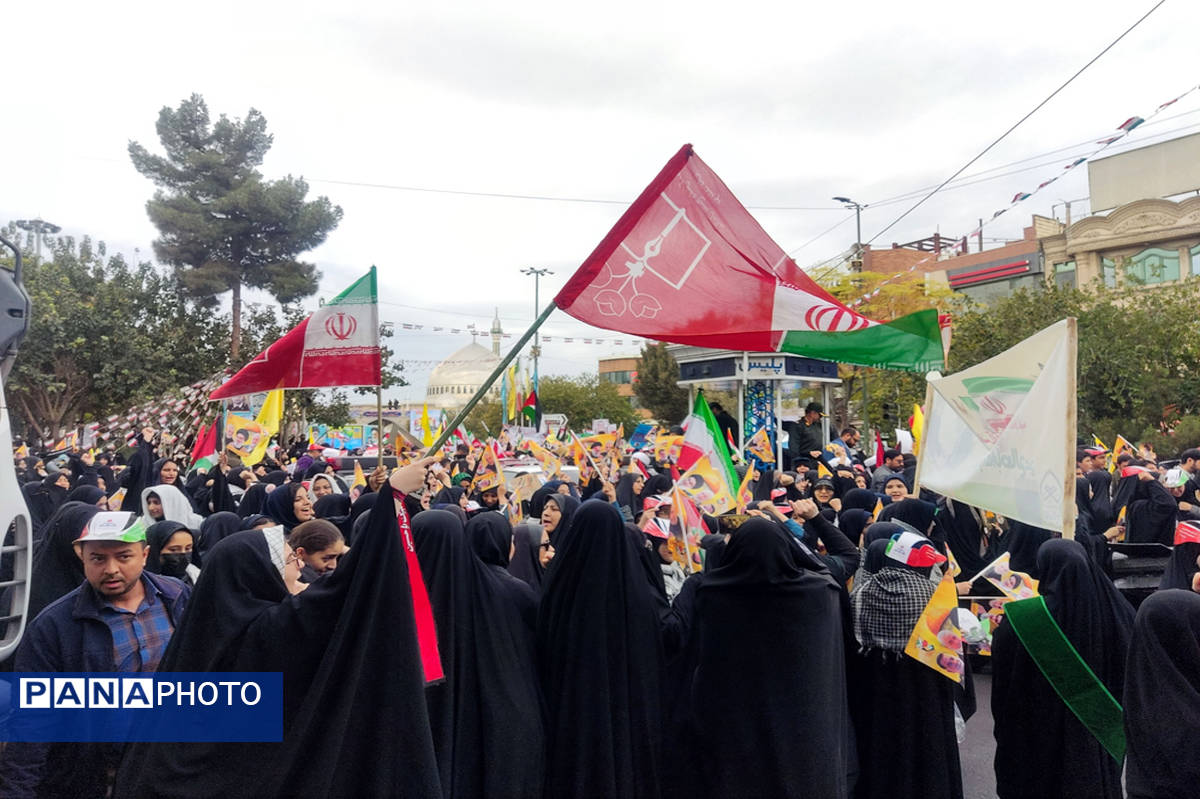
119,620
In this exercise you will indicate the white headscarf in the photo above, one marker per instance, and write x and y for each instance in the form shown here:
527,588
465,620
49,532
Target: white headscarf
175,505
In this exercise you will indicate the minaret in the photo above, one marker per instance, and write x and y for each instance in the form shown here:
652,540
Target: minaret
497,332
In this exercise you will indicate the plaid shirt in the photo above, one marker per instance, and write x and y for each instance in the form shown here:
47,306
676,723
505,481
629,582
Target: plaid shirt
139,637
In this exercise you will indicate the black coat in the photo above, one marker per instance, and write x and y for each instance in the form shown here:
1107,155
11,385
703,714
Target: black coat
486,716
601,661
1042,749
348,631
1162,698
768,614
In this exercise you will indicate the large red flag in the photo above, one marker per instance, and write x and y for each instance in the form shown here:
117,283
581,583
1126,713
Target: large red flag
687,263
337,346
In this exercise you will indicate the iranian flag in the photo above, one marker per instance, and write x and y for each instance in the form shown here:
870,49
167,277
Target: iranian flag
337,346
687,263
702,437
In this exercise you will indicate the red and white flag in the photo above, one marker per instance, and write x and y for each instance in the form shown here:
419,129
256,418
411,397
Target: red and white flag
1186,532
669,268
337,346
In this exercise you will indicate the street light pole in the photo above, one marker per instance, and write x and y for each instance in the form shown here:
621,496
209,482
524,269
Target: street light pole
38,227
536,350
856,265
846,201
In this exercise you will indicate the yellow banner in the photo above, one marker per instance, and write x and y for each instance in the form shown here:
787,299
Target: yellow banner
937,640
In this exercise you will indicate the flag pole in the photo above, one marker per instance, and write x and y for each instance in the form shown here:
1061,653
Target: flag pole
916,490
1069,429
487,384
379,418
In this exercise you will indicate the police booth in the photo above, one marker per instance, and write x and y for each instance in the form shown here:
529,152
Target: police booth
769,386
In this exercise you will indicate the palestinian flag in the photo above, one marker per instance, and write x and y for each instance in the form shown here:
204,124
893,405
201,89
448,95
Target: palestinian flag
531,411
337,346
668,267
204,452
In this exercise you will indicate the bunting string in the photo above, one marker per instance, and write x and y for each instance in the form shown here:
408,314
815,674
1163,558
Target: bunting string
1124,129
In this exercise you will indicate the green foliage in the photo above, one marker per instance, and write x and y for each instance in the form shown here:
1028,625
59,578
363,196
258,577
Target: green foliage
1138,351
484,418
1169,438
656,387
583,399
897,297
105,336
392,373
221,224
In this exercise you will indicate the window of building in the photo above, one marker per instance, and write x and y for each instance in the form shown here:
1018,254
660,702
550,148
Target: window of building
1153,265
617,377
1108,269
1064,274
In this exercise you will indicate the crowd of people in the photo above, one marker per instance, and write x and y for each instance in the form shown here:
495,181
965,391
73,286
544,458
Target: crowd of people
439,640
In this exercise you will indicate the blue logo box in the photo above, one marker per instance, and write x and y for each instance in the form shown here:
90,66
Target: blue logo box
179,707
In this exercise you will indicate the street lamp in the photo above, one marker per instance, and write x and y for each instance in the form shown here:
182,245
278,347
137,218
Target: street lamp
38,227
856,265
846,201
536,350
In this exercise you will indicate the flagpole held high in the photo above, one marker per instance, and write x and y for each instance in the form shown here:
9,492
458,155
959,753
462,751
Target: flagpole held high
448,430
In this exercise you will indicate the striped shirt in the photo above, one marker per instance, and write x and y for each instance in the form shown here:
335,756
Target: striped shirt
139,637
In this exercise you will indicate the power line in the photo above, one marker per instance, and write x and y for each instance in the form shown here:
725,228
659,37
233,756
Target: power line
1018,123
539,197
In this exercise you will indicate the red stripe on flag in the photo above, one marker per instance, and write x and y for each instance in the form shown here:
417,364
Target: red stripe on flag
431,660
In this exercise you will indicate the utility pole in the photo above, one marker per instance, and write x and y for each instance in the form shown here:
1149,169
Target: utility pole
536,349
856,265
38,227
858,248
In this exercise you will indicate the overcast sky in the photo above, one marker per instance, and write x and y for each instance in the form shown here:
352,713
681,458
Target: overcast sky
790,103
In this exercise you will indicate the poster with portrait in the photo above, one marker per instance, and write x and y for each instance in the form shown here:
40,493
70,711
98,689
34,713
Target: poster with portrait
937,640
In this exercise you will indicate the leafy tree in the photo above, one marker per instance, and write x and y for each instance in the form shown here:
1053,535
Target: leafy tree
656,387
104,336
484,418
583,399
1137,356
222,225
318,407
896,297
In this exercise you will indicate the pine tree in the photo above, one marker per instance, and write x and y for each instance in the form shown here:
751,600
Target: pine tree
656,387
222,225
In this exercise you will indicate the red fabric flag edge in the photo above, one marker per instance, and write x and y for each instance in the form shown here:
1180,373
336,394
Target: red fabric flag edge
591,267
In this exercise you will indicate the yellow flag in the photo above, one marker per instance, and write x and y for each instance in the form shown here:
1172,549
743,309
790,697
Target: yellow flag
268,421
426,433
759,446
918,426
514,401
360,479
822,471
878,510
1120,445
745,495
936,641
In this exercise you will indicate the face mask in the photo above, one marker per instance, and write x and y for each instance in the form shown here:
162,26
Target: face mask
174,564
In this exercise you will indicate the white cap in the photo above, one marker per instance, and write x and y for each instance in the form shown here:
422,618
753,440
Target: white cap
120,526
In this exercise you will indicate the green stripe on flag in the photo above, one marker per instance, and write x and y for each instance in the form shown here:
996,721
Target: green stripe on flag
361,292
721,457
912,343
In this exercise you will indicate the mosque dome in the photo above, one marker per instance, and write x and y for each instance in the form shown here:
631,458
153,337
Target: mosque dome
453,381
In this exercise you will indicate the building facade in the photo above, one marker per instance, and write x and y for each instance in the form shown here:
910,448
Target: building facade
1142,243
621,372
